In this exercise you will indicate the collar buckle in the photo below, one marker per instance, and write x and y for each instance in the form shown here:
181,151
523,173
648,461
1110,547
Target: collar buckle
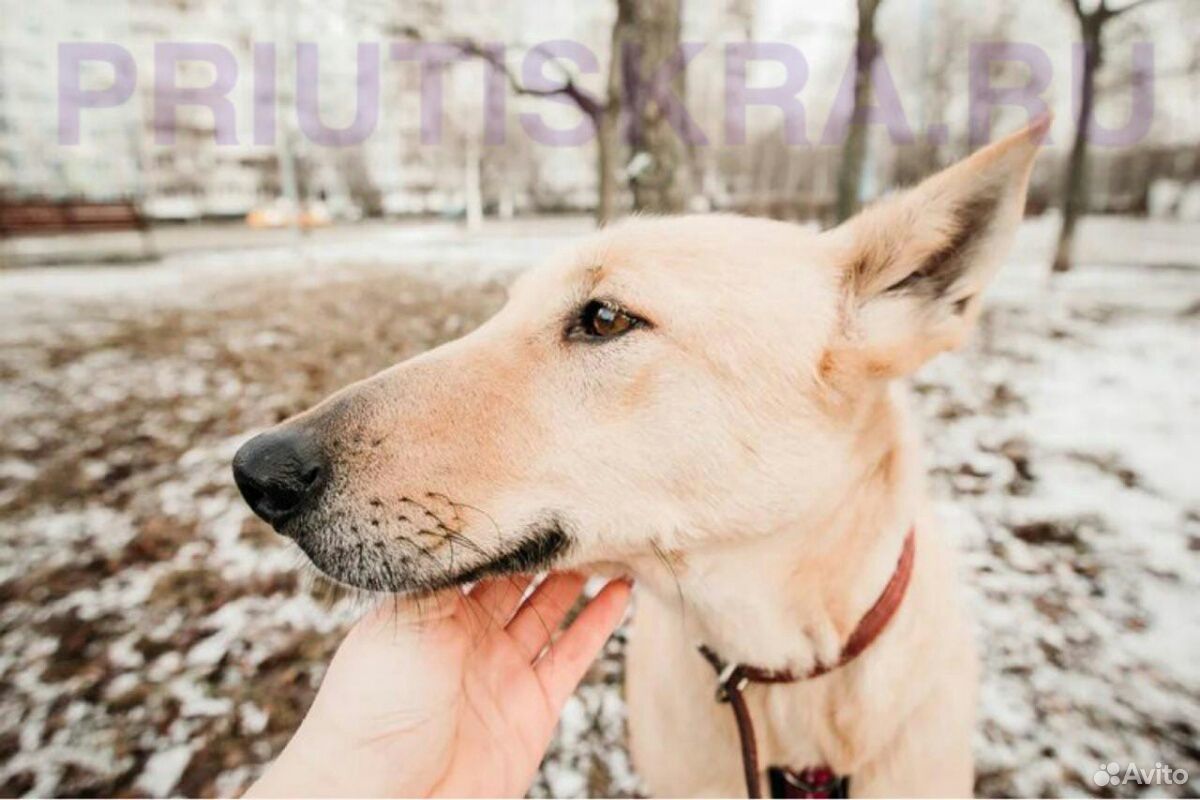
731,679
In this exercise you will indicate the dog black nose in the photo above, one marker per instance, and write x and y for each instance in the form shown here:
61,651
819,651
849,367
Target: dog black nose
279,472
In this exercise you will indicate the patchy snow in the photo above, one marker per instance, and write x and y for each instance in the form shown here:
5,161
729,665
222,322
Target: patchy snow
163,770
1074,497
156,639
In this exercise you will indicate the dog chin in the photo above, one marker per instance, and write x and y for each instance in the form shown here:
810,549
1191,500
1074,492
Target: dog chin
352,565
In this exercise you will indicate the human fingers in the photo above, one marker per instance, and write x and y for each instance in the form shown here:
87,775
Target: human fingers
564,664
539,617
492,601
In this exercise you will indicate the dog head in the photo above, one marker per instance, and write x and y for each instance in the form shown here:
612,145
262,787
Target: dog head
666,383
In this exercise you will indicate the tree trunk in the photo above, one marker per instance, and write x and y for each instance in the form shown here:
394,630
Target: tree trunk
472,188
854,151
289,172
1074,202
506,207
608,120
662,178
606,176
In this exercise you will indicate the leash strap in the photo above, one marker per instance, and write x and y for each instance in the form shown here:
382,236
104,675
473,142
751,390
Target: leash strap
733,678
731,681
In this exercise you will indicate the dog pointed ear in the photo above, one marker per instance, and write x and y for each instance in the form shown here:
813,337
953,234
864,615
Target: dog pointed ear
914,264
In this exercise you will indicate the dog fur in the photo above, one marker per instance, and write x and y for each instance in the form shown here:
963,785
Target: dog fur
744,452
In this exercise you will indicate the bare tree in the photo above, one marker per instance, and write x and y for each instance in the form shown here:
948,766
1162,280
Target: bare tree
854,151
645,36
1074,201
648,33
602,114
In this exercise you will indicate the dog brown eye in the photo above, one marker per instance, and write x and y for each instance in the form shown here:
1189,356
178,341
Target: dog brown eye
602,320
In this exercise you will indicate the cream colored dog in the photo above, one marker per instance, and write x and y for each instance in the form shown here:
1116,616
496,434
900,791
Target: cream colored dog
709,403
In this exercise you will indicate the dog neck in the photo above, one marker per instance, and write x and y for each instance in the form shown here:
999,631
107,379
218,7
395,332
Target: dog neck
790,599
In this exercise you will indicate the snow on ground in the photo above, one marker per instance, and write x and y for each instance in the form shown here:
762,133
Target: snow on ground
155,639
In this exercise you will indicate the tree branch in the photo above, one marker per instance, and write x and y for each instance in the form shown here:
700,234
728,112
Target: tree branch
1076,8
585,101
1116,12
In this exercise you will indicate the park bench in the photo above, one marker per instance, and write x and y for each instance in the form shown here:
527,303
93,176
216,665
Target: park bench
42,217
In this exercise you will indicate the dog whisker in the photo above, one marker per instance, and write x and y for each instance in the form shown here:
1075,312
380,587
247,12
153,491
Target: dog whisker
662,556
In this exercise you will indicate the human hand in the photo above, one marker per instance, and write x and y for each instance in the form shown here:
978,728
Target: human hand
458,697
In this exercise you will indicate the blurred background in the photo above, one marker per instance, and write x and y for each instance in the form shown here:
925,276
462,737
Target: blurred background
161,302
